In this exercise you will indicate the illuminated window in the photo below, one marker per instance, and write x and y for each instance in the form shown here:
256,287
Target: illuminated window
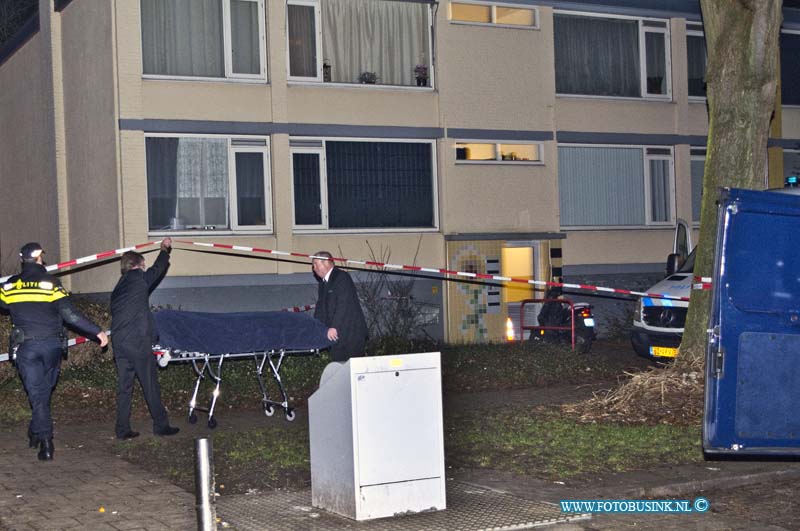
496,14
467,152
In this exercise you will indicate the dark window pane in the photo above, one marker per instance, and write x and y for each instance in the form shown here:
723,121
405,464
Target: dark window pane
250,188
790,69
379,184
302,41
162,181
307,196
596,56
656,63
696,60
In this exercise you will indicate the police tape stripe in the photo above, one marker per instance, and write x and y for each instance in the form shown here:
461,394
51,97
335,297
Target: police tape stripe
702,283
441,271
91,258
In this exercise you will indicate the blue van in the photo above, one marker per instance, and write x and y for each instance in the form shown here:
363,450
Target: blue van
752,391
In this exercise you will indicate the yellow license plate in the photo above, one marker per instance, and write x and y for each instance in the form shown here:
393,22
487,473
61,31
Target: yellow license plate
664,352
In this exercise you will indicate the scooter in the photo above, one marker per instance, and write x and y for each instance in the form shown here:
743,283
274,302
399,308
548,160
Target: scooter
556,313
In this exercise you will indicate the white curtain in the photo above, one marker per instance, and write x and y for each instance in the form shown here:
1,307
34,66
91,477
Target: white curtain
182,37
202,174
659,190
385,37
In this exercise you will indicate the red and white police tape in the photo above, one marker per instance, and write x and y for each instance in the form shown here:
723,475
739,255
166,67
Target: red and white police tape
91,258
440,271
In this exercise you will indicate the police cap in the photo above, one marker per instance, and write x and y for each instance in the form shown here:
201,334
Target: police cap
30,251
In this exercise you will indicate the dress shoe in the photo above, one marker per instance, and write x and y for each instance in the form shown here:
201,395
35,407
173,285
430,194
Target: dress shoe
46,450
169,430
32,439
128,435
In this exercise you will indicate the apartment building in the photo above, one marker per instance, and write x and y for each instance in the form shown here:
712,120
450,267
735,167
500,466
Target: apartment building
527,139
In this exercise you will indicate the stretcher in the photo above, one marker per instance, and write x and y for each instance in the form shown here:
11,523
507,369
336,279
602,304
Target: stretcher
206,340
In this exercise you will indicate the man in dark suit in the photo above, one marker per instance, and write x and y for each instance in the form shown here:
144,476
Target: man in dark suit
132,335
338,307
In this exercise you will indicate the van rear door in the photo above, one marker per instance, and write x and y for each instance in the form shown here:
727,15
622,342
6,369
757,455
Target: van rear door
753,353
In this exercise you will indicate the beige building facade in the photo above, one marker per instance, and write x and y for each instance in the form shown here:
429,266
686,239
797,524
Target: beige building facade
529,139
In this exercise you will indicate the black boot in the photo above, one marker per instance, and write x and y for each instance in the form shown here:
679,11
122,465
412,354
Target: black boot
32,440
46,450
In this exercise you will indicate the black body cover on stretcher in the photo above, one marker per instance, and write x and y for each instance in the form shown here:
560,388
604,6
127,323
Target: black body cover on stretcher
232,333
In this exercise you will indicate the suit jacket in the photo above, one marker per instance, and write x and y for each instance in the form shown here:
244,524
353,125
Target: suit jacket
338,307
133,329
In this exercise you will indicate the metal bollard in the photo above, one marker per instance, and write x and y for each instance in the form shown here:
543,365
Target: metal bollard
204,485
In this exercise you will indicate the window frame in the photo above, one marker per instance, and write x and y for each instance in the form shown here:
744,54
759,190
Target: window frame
498,153
797,33
493,11
324,227
318,41
692,31
643,30
318,79
262,77
694,156
323,186
233,209
646,158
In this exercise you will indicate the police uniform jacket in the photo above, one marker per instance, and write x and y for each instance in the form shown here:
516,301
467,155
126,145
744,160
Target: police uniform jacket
338,307
133,329
39,305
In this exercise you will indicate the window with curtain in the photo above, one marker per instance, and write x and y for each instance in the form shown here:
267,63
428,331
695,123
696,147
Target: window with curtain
191,184
191,38
790,68
696,60
381,42
601,56
698,165
364,185
614,186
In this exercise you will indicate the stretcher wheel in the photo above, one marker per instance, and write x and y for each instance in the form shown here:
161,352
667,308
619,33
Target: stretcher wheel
269,410
212,423
192,419
290,415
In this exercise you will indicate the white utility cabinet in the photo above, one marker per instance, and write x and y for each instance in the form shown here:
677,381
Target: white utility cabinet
377,442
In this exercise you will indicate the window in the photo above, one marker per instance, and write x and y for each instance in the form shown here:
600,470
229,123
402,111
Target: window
359,41
696,59
790,67
603,56
791,163
497,14
698,163
610,186
208,183
360,184
471,152
204,38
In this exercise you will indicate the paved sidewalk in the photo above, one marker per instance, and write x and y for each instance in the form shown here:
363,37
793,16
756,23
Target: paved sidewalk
84,487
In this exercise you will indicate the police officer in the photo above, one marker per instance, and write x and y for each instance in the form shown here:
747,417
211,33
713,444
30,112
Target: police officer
39,307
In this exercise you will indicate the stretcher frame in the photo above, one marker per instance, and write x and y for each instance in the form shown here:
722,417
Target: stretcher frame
210,366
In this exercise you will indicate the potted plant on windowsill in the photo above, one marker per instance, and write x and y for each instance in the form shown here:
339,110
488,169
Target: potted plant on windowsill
368,78
421,73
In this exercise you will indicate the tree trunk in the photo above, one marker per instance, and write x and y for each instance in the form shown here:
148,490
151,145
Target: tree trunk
742,43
